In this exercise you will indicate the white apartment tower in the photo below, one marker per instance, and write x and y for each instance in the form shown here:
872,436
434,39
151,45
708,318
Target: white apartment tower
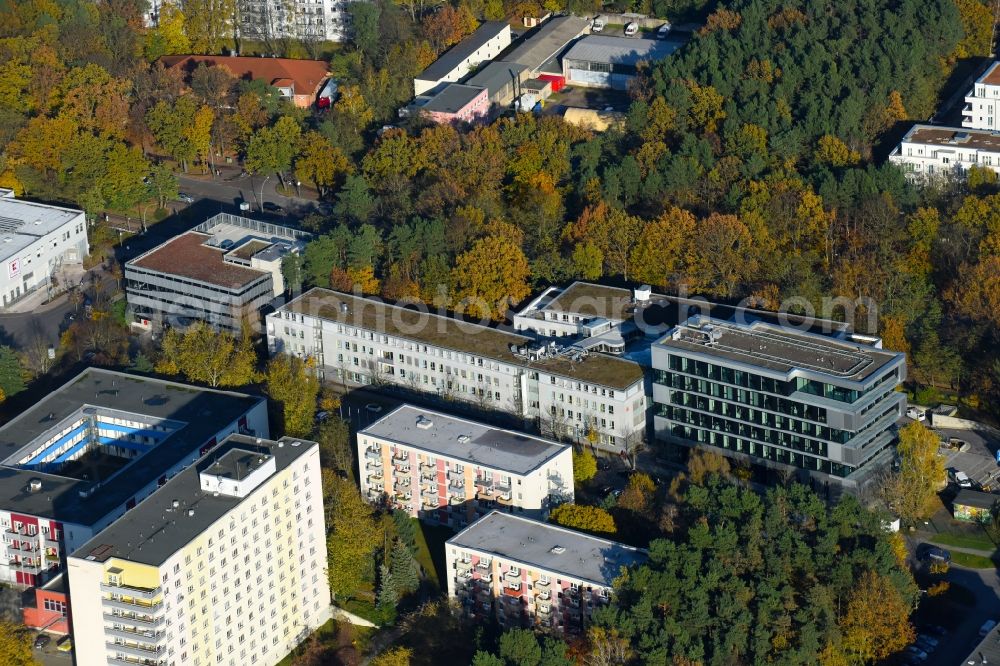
308,20
982,103
223,565
451,471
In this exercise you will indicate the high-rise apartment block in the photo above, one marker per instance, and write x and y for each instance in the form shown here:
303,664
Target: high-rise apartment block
89,452
982,103
308,20
225,564
573,392
527,573
785,399
450,470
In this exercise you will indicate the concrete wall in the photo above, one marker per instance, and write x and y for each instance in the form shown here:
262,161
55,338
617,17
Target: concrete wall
955,423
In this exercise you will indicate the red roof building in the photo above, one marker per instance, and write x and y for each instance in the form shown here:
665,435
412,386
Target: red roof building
298,80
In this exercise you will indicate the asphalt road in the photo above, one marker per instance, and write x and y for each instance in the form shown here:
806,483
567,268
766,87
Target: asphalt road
985,585
232,189
18,329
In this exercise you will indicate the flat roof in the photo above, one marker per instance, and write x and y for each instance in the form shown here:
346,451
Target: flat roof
620,50
958,137
988,650
496,75
24,222
975,498
457,54
547,41
991,76
451,333
465,440
532,543
203,412
154,530
189,256
592,300
454,98
778,348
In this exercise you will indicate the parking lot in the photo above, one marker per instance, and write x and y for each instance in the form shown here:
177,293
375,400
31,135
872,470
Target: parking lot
979,462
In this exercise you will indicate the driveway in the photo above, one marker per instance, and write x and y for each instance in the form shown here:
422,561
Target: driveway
979,462
19,328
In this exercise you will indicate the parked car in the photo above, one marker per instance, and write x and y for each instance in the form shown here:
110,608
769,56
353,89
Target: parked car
917,413
664,30
272,207
914,651
322,416
926,643
631,29
41,640
963,480
987,627
935,630
373,408
186,198
597,25
927,553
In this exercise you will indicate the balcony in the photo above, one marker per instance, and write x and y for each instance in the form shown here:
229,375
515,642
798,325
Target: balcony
429,495
485,496
401,468
516,592
485,565
506,500
456,488
373,467
132,606
428,467
428,505
403,481
542,585
373,454
115,661
139,621
503,487
402,497
25,566
456,499
134,592
400,456
152,638
375,478
136,650
543,596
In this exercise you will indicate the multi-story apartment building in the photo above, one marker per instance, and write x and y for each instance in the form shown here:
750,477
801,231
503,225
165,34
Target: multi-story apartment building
572,392
785,399
225,564
982,103
90,451
451,471
527,573
930,151
308,20
222,272
38,239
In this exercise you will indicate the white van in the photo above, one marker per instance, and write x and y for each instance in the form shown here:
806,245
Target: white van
663,31
597,25
631,29
963,480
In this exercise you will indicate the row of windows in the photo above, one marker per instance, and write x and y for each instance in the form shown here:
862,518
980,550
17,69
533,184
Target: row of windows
759,450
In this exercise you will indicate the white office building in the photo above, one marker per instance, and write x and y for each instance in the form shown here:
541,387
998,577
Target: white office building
932,152
450,470
37,240
223,565
982,103
571,392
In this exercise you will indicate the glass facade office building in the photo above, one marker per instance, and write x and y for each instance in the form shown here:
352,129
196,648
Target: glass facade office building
784,399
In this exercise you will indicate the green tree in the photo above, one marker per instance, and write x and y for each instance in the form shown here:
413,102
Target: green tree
142,364
588,261
15,645
912,491
291,272
585,518
877,622
394,656
162,185
584,466
490,276
11,372
405,570
364,20
335,451
292,384
203,354
353,538
388,596
482,658
208,24
168,36
519,647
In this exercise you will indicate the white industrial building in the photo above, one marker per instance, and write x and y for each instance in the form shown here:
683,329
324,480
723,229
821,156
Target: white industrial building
570,391
36,240
982,103
483,45
930,151
451,471
605,61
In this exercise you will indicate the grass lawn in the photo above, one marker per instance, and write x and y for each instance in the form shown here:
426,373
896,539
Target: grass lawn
972,561
430,552
978,540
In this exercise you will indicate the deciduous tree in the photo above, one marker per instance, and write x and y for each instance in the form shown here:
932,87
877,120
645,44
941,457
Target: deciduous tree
583,517
490,276
584,466
15,645
293,385
876,623
353,538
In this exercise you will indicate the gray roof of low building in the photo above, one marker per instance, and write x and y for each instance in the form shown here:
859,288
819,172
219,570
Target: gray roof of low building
454,98
549,547
24,222
454,57
620,50
203,411
988,650
496,75
497,448
546,42
154,530
975,498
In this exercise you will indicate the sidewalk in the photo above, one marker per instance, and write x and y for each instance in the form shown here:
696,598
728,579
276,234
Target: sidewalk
70,275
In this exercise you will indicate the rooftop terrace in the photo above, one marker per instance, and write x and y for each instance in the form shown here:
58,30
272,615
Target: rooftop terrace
457,335
548,547
188,256
465,440
776,348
